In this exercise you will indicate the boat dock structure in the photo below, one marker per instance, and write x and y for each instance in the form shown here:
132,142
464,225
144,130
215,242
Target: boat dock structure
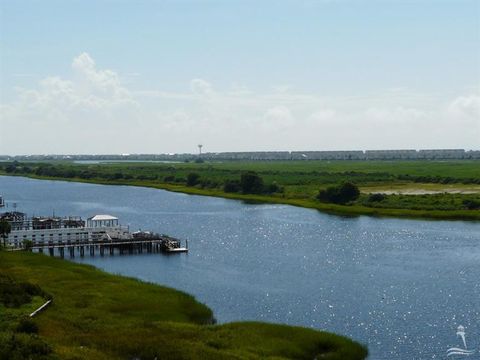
98,235
156,244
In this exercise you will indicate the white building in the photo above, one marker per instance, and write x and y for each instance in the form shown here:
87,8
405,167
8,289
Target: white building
65,230
102,221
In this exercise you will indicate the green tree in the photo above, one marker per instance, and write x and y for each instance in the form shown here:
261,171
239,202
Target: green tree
5,229
273,188
376,197
231,186
471,204
27,244
349,192
251,183
192,179
341,194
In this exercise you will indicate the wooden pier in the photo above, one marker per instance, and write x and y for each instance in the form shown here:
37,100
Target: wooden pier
161,244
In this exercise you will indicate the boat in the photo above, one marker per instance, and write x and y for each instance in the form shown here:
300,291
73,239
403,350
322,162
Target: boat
176,250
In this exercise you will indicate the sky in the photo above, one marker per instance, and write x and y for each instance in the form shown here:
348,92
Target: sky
113,77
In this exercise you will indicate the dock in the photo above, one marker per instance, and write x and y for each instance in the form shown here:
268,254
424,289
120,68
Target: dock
156,244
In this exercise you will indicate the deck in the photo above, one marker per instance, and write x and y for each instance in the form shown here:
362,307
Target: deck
161,244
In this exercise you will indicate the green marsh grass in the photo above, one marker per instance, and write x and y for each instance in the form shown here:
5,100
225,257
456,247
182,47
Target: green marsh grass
300,181
95,315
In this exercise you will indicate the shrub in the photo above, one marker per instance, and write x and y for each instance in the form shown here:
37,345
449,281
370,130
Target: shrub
10,168
208,184
23,346
376,197
251,183
273,188
147,177
471,204
341,194
27,326
231,186
192,179
27,244
15,294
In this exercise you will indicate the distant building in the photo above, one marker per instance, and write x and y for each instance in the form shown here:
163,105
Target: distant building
434,154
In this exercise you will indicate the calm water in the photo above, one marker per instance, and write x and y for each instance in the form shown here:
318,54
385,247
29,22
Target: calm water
400,286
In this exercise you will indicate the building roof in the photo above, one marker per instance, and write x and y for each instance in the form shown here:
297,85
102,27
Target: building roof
102,217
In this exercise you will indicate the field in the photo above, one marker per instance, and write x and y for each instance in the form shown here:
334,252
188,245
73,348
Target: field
430,189
95,315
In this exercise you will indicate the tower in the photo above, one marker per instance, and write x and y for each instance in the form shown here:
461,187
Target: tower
200,149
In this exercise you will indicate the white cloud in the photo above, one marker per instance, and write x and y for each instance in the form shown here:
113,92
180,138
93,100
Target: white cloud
201,87
277,118
93,111
177,121
239,90
89,108
92,90
103,84
399,115
322,116
468,106
281,89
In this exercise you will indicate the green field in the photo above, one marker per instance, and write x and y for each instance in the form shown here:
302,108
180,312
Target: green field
95,315
430,189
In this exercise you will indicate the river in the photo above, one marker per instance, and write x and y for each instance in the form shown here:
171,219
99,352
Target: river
402,287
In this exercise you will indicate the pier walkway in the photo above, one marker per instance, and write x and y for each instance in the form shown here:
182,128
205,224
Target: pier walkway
160,244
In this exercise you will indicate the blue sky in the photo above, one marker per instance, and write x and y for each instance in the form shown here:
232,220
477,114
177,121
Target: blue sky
239,75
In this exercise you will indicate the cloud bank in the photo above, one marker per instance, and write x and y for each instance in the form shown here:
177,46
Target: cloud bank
94,111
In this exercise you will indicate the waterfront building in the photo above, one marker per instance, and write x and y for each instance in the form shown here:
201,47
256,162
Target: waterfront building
62,229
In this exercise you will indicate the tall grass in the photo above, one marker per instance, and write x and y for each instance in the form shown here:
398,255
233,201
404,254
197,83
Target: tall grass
299,182
96,315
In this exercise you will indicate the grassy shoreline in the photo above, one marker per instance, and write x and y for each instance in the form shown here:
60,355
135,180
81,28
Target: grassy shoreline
345,210
96,315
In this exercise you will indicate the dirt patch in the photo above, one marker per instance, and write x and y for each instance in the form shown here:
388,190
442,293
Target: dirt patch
420,191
